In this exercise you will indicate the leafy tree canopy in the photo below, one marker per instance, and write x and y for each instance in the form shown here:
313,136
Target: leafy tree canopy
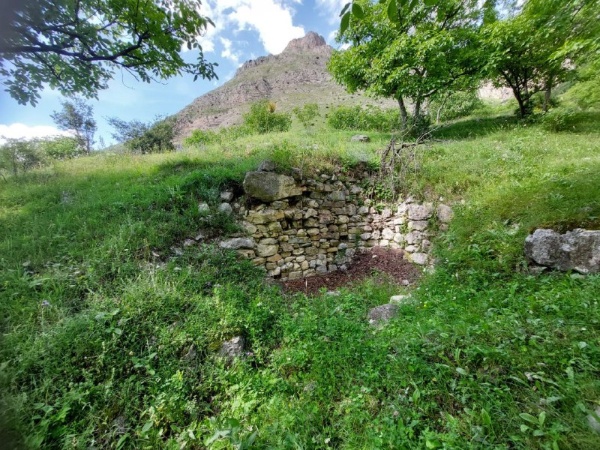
419,49
408,49
77,116
540,46
140,137
75,46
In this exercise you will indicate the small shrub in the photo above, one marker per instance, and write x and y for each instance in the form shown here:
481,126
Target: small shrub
307,114
144,138
158,138
19,155
202,137
234,132
457,105
366,119
61,148
586,92
561,119
262,118
419,126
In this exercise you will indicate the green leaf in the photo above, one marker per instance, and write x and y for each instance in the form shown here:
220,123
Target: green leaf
434,443
345,9
345,23
529,418
357,11
392,11
147,426
542,418
485,418
570,373
430,3
462,371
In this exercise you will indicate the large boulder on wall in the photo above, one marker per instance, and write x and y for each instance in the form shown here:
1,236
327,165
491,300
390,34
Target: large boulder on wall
577,250
270,186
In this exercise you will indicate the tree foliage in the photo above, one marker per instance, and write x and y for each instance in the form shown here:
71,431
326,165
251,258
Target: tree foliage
586,93
537,48
60,147
140,137
408,49
18,156
307,114
371,118
262,118
419,49
75,46
77,116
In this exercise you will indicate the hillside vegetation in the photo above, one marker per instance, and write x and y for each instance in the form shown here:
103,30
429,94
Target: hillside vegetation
110,339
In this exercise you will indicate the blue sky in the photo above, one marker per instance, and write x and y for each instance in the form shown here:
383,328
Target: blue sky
244,29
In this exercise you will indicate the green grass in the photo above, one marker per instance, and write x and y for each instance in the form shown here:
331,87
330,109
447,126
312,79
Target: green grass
106,345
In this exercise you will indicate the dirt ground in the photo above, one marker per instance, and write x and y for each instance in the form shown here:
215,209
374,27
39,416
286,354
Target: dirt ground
377,260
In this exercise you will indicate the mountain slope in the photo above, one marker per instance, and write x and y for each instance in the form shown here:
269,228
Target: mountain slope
297,76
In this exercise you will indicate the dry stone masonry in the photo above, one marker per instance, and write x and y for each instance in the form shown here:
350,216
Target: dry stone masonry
298,228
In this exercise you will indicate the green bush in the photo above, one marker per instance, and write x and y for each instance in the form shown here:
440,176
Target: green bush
158,138
233,132
419,127
457,105
61,148
222,136
307,114
202,137
586,92
140,137
262,118
560,119
367,119
19,155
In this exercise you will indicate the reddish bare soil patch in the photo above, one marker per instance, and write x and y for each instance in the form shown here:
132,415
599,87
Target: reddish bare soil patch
377,260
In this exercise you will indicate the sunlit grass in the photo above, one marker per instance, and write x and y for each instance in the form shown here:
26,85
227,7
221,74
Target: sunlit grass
111,340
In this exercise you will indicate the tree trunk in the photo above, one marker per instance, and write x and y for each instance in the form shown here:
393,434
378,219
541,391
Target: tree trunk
417,112
547,95
522,105
403,113
439,111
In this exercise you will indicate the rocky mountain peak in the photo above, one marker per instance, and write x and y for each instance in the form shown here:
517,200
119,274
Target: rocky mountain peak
310,41
292,78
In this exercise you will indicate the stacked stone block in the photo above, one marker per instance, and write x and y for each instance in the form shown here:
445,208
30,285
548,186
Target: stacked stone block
319,228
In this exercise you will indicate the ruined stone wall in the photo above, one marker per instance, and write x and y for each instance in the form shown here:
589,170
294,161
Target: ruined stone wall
320,230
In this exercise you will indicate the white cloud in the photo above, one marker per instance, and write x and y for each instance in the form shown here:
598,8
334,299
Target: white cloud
332,9
332,35
22,131
207,44
271,19
228,52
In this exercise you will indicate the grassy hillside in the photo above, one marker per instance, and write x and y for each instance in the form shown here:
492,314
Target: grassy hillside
110,339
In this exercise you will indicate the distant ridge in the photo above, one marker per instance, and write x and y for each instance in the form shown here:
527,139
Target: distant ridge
296,76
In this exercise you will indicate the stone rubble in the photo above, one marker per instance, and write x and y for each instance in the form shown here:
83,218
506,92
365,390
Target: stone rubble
233,348
380,315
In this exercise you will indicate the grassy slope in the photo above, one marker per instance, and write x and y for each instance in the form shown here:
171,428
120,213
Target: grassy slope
487,356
